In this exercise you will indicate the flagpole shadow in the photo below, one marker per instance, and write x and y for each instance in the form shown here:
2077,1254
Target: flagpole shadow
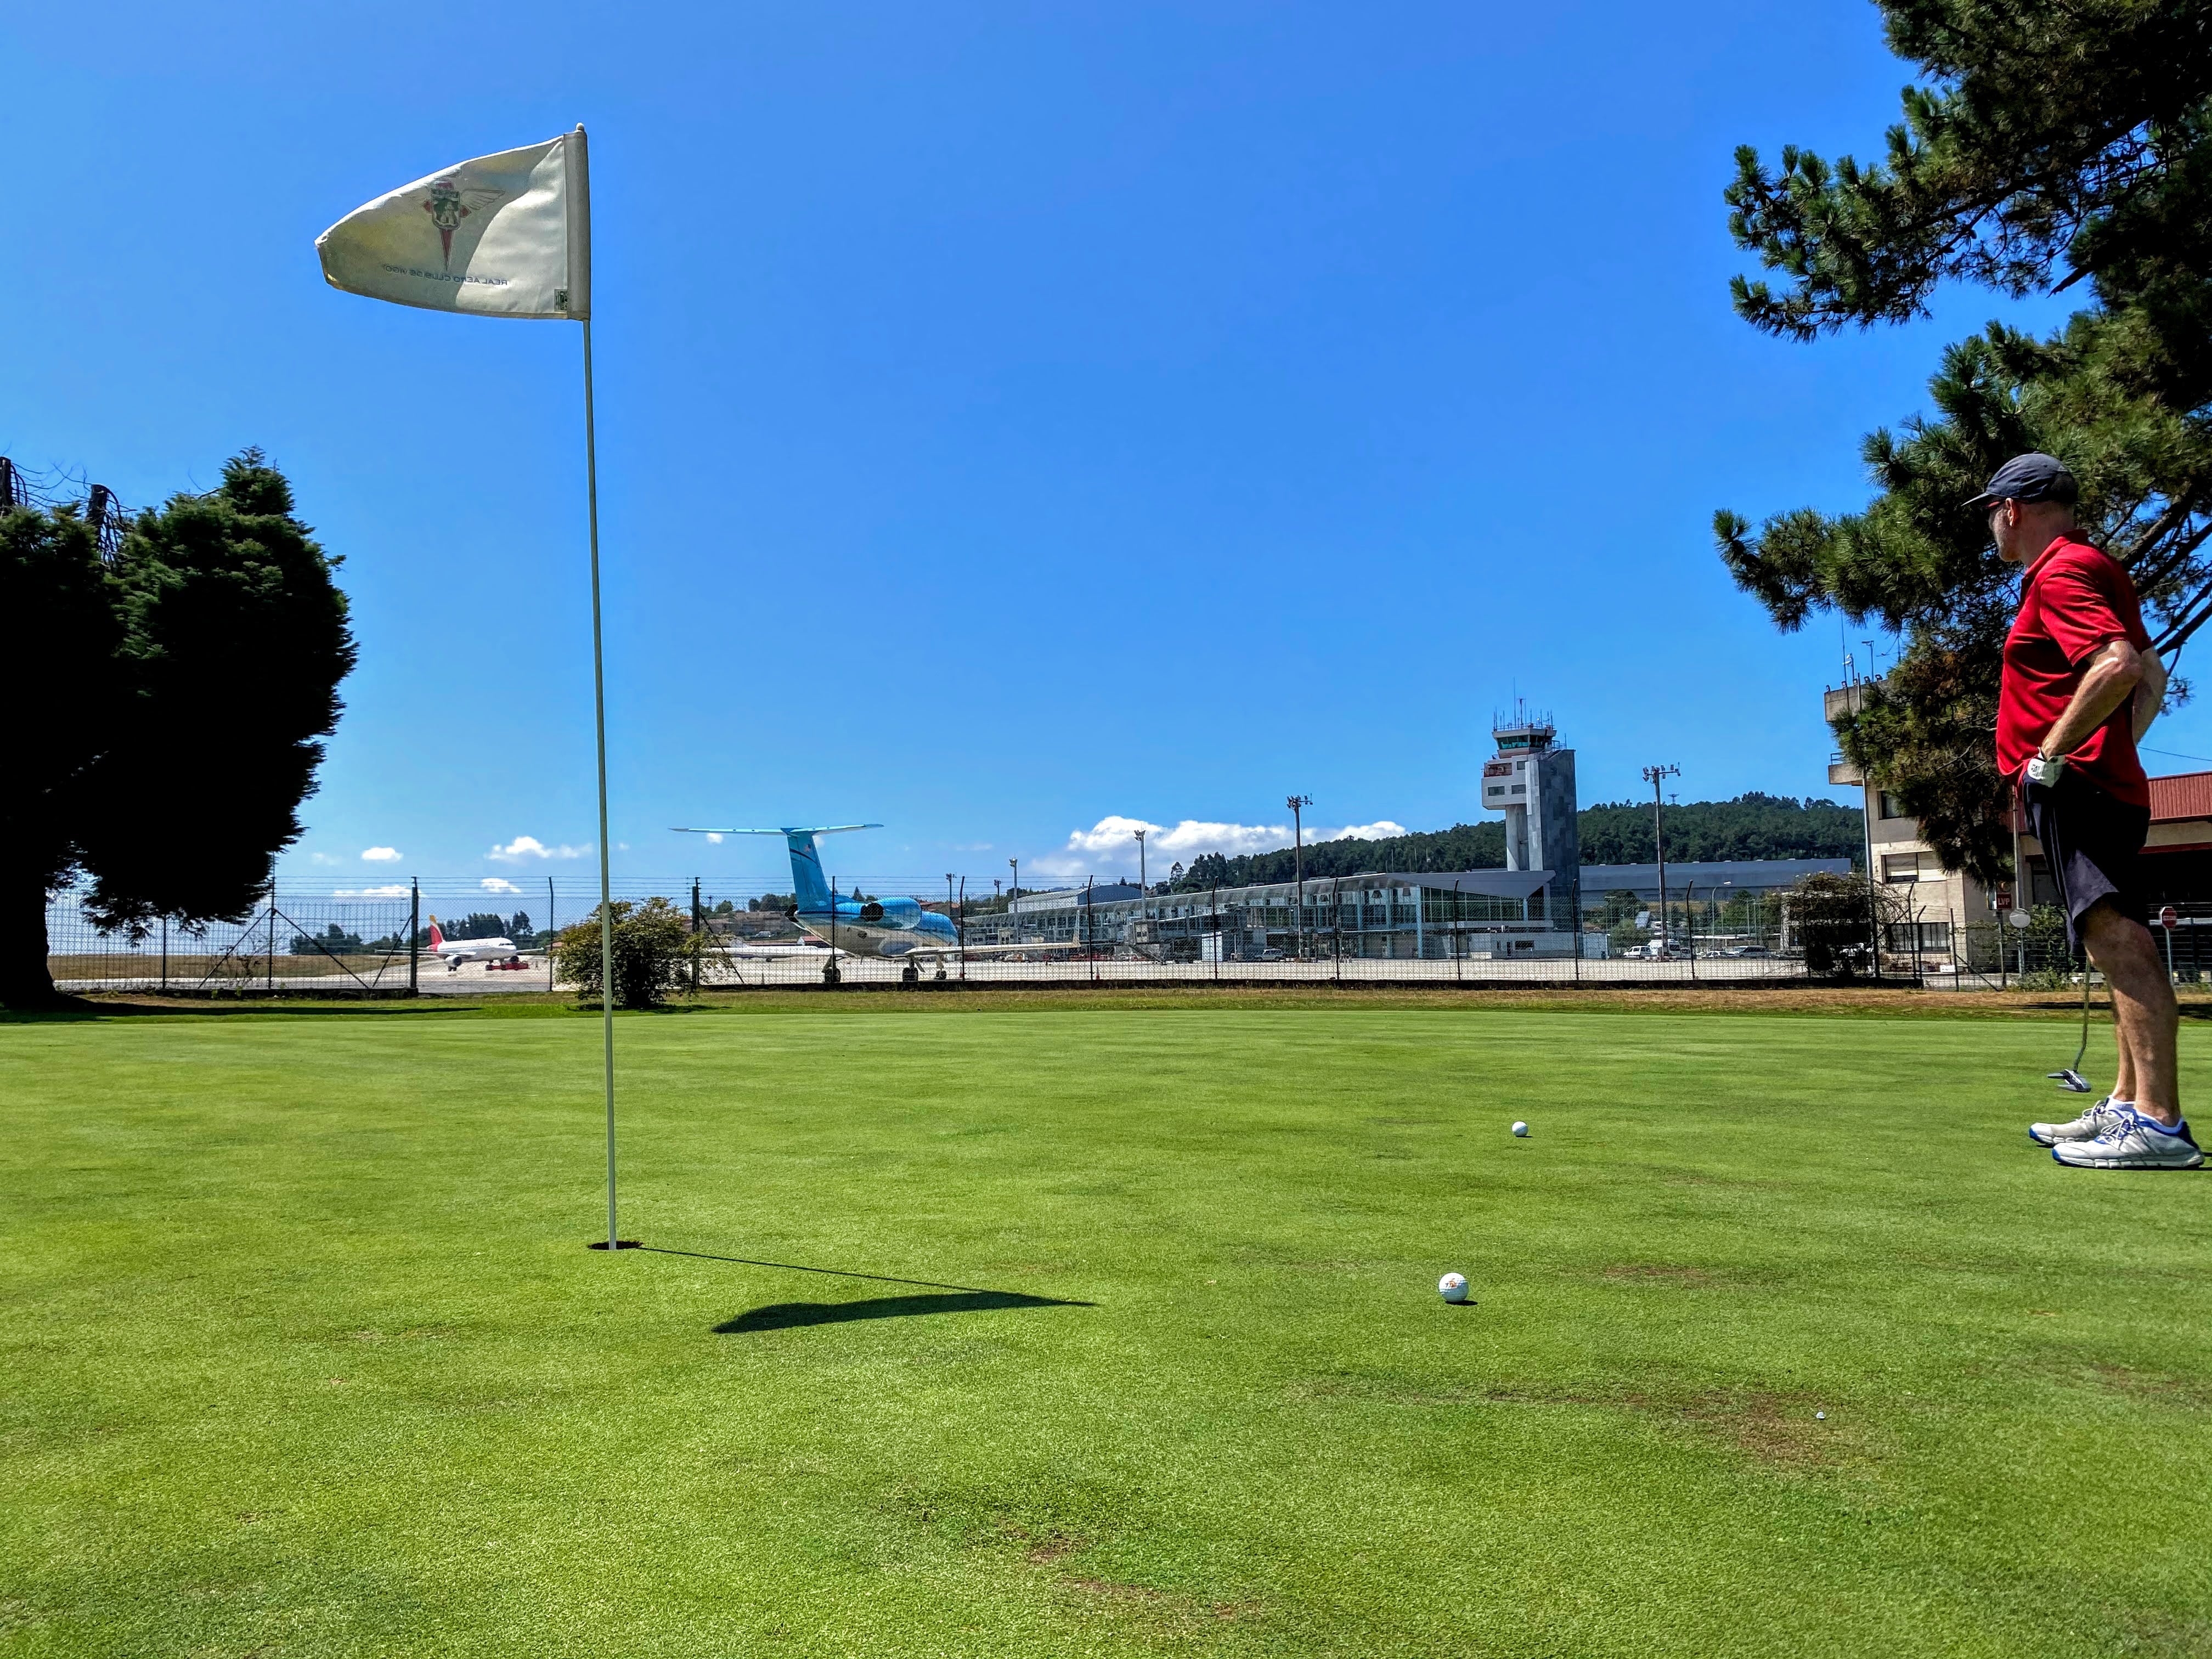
846,1272
791,1316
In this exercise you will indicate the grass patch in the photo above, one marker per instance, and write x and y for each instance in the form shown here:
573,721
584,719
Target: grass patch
1059,1329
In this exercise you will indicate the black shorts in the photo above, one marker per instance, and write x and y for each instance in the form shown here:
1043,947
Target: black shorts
2092,842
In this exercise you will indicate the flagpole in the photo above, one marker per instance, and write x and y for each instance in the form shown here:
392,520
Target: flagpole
600,722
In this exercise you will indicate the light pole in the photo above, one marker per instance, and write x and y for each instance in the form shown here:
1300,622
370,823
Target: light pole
1140,835
1297,804
1657,776
1013,897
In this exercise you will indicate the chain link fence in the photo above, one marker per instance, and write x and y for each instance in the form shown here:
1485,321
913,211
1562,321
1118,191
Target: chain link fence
495,935
434,938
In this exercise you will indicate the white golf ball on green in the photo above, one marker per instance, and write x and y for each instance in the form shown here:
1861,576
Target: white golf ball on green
1520,1129
1452,1287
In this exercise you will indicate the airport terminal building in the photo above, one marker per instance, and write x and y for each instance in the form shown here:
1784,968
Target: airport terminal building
1474,914
1545,902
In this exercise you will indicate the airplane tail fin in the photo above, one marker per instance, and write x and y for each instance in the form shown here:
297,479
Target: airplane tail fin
808,884
437,939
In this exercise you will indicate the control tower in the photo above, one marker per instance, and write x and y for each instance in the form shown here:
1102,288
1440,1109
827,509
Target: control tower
1533,783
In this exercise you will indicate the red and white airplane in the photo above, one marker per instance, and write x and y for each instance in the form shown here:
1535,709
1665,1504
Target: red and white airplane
455,951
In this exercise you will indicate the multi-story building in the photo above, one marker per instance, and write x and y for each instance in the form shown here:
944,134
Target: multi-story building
1937,906
1953,915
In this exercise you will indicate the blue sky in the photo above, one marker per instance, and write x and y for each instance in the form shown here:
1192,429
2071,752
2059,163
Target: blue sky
1013,418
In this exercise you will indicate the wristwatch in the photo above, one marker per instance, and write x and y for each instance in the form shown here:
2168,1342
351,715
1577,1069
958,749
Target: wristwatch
2046,770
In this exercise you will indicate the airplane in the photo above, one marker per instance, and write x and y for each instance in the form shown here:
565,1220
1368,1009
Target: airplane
455,951
867,927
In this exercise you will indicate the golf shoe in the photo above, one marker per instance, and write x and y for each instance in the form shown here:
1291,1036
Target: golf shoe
2134,1142
2087,1126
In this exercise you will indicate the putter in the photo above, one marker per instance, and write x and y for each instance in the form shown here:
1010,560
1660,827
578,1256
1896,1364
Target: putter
2070,1079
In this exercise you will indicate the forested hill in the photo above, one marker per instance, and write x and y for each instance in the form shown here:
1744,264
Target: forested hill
1752,826
1749,827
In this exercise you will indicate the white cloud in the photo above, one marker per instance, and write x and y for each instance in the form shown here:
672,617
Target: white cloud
714,838
324,857
499,884
1111,844
381,854
368,892
529,847
1194,837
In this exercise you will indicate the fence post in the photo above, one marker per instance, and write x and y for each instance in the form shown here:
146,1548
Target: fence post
414,937
697,928
1874,914
165,953
550,971
271,977
1217,941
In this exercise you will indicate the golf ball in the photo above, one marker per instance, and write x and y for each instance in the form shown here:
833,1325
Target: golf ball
1520,1128
1452,1287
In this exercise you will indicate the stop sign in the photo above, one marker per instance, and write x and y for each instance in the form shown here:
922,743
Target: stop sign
2168,916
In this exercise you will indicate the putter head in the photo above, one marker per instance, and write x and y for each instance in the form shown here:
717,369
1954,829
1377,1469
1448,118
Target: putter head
2070,1081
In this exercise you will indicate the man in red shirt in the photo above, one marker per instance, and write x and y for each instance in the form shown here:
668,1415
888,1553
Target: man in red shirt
2080,687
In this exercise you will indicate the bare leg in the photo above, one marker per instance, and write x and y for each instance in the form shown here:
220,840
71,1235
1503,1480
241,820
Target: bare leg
2143,1007
2124,1083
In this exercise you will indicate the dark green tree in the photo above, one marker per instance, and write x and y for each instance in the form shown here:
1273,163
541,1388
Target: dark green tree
169,703
2047,143
333,939
653,949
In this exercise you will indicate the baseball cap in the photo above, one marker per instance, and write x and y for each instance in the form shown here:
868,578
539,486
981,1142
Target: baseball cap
2031,478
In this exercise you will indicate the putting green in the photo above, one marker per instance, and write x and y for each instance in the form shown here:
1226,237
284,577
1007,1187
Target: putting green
303,1354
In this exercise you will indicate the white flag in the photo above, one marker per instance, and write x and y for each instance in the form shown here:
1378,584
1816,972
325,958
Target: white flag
507,235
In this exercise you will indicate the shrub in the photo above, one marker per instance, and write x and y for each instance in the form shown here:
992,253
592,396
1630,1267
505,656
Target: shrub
654,949
1835,917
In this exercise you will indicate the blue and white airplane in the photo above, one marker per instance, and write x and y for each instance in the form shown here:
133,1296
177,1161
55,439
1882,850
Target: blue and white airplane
867,927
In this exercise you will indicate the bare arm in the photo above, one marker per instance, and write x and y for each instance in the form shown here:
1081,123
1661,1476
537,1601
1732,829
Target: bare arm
2150,695
2111,679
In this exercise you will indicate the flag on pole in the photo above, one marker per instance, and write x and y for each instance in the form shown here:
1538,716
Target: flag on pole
505,235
